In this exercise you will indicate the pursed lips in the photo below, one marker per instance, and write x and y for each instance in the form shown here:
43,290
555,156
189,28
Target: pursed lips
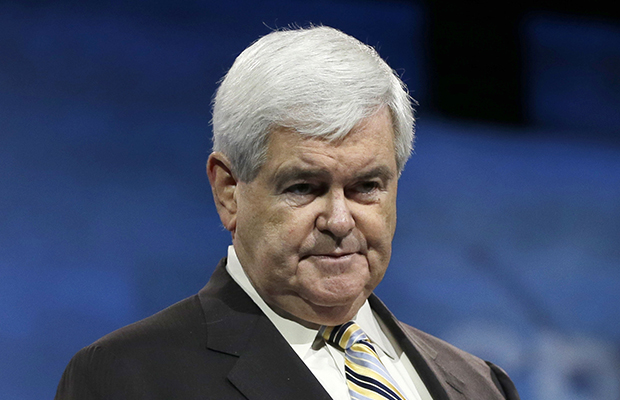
332,256
333,251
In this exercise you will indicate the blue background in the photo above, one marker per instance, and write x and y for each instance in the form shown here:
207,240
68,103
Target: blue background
508,235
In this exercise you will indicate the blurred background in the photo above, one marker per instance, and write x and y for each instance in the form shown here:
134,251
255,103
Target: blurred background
508,242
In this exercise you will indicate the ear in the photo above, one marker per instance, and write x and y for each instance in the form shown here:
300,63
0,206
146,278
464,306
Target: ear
224,188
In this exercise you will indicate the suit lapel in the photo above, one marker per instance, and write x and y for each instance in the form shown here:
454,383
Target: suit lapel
441,384
270,369
266,367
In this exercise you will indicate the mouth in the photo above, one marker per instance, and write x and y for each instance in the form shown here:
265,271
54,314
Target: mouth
334,256
339,260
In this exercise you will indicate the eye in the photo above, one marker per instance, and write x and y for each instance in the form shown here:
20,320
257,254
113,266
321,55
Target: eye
300,189
367,187
365,191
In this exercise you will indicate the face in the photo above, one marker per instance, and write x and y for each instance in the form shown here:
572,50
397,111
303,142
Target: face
314,229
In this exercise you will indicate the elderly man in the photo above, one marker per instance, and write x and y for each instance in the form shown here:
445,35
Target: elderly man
311,132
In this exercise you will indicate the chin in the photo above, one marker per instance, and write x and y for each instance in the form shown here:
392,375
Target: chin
335,310
335,316
336,296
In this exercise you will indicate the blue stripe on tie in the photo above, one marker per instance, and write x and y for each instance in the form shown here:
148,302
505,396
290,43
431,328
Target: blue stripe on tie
364,356
337,334
371,384
368,361
370,346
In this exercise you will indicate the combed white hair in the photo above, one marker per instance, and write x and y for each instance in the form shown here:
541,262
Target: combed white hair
318,81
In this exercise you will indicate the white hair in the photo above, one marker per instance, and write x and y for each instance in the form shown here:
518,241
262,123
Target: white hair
317,81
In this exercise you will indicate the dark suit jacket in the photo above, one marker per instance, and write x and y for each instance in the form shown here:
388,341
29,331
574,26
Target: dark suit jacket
219,345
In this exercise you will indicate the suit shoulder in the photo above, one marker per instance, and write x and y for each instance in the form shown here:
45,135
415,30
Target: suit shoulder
444,348
125,363
181,322
465,367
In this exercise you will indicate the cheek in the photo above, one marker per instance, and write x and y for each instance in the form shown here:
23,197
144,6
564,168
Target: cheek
291,227
280,239
389,216
380,225
379,232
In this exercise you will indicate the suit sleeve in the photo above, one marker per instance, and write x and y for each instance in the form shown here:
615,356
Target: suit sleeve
501,379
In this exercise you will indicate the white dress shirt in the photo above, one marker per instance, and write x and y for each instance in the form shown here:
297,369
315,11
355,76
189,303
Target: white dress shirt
327,362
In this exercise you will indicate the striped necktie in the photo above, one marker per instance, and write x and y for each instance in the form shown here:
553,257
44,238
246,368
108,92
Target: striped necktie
366,375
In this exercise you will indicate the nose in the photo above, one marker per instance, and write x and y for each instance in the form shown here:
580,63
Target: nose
336,217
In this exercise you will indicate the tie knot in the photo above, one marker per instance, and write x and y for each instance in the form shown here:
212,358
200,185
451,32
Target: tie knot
343,336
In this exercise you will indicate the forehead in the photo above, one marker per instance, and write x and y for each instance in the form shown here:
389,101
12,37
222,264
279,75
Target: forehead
370,142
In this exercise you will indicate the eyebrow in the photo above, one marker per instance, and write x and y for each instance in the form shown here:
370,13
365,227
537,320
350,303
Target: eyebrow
381,171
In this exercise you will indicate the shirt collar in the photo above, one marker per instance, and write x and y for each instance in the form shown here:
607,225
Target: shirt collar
298,336
367,320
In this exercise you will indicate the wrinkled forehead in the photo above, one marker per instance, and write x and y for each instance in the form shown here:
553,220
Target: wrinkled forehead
369,143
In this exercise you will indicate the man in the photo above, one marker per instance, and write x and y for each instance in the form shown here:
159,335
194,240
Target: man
311,132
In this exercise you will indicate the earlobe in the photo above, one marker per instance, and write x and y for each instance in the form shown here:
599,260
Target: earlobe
224,188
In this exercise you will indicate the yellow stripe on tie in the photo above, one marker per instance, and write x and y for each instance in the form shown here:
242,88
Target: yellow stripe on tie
367,377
